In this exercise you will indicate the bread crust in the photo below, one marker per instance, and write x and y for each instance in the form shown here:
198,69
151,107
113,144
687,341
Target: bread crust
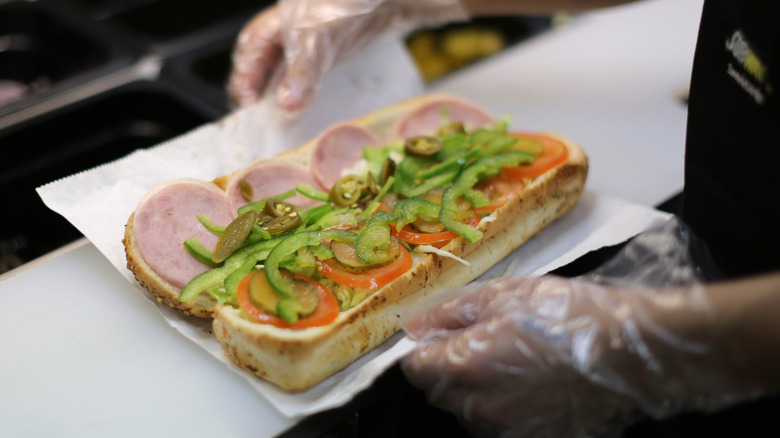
296,360
202,306
382,122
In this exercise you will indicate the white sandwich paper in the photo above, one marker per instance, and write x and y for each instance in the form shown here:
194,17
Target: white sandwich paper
99,201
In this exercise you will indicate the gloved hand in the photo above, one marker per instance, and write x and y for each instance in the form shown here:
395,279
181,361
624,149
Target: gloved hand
553,357
286,49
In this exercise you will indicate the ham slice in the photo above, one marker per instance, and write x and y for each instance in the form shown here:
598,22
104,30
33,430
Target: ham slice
338,149
427,118
269,178
166,217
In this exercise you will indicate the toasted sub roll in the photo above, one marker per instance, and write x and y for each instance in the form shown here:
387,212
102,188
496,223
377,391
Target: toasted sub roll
296,360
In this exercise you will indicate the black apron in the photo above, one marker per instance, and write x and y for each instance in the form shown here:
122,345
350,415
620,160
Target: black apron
732,173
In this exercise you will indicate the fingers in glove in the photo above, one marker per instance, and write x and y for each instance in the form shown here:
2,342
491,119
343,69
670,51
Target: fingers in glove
485,354
510,389
478,301
323,34
257,55
454,314
299,83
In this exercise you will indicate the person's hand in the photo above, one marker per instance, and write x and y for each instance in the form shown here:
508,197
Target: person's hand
501,357
286,49
551,357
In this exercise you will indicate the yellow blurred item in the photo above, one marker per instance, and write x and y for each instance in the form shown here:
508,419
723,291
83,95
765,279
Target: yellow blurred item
439,53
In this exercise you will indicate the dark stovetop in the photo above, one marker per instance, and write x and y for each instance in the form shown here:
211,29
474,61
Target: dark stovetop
73,94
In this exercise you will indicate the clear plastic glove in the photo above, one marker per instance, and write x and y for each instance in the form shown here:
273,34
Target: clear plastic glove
286,49
554,357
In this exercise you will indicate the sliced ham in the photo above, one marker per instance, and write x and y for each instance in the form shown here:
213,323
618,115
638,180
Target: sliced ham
269,178
427,118
338,149
167,216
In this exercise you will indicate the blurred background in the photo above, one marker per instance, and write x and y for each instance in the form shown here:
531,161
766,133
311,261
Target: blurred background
84,82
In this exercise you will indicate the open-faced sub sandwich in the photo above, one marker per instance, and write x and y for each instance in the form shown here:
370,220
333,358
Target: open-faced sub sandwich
307,260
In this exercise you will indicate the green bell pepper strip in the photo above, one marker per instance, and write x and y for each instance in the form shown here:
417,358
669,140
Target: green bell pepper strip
312,192
259,205
258,233
490,143
260,254
288,309
374,239
419,175
312,215
408,210
322,252
455,163
411,188
289,245
482,143
448,218
331,218
282,196
302,262
199,251
340,235
373,206
492,165
231,281
452,145
219,293
410,167
210,225
463,186
375,157
256,251
502,124
476,198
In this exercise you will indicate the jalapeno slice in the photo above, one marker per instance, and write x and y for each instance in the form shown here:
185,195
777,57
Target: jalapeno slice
276,208
388,169
451,128
371,185
422,146
277,225
247,192
234,235
347,190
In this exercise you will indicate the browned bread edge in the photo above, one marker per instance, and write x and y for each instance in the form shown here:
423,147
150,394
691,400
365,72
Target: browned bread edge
297,360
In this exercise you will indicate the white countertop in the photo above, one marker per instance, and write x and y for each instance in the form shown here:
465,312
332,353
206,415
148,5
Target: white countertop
612,82
83,354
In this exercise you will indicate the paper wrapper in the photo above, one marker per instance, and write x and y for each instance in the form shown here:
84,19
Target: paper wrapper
98,202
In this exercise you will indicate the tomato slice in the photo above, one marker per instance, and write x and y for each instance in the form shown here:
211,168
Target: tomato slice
407,234
371,279
326,312
554,154
499,189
